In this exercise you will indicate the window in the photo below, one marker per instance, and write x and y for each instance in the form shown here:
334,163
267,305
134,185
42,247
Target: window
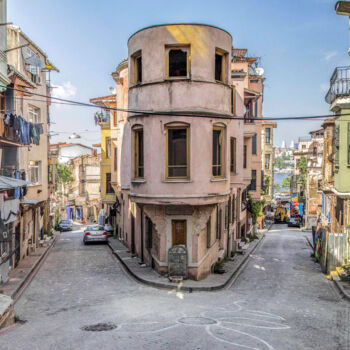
115,158
218,151
252,186
233,209
233,155
178,62
267,161
177,152
245,156
218,222
209,232
254,144
256,108
35,172
34,114
137,58
267,135
139,173
108,147
109,188
2,104
233,100
220,65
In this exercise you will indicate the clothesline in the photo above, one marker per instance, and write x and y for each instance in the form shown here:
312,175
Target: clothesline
27,132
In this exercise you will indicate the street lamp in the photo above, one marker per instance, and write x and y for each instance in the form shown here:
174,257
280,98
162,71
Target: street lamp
74,136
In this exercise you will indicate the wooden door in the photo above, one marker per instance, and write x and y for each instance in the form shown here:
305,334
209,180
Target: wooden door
179,232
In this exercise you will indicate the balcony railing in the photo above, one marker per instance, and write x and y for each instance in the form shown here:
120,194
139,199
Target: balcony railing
339,84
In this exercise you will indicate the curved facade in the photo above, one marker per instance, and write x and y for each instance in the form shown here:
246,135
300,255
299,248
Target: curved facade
180,172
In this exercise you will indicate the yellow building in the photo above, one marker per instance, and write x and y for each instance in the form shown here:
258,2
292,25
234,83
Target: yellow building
103,120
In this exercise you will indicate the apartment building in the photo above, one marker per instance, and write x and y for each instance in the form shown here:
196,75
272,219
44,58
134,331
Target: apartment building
24,125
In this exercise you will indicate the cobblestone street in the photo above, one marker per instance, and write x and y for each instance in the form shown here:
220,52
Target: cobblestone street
280,301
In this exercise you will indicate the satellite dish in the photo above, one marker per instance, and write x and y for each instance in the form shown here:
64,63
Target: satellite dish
259,71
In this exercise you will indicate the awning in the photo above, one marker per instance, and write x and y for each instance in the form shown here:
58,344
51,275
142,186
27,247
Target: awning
29,202
8,183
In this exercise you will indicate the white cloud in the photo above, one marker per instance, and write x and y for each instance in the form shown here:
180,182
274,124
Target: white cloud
329,54
65,91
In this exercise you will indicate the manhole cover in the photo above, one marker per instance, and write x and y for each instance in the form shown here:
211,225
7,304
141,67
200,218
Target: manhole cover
197,321
99,327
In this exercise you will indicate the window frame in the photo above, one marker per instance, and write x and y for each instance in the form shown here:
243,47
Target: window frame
233,155
255,144
208,232
135,57
108,147
109,184
183,47
177,127
267,156
34,114
268,139
223,54
253,180
35,165
137,166
245,156
222,151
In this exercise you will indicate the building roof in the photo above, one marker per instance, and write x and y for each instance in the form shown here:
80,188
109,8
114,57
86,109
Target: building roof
65,144
18,29
180,24
8,183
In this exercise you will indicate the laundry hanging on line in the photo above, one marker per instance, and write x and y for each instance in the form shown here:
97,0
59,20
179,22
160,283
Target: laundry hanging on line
27,132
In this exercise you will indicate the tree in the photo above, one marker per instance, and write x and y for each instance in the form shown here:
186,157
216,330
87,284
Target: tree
286,182
266,185
302,167
277,187
64,174
255,208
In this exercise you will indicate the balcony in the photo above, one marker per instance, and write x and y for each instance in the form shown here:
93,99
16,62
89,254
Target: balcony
339,84
7,134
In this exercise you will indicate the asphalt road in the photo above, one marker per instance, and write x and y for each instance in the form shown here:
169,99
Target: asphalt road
280,301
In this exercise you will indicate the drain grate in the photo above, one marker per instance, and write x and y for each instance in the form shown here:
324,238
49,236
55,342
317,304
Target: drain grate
99,327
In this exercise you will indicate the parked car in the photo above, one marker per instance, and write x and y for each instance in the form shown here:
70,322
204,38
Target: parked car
95,233
294,221
109,229
65,225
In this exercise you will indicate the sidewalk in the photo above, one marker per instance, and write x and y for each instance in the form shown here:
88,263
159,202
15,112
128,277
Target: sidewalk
150,277
10,290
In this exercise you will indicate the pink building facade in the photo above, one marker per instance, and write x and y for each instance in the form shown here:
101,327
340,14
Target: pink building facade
180,177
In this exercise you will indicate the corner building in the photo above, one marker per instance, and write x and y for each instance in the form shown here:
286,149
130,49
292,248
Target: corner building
181,167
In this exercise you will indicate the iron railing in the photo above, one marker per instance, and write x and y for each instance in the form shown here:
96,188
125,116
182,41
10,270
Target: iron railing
339,84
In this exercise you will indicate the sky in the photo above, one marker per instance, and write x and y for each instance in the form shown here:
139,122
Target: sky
300,42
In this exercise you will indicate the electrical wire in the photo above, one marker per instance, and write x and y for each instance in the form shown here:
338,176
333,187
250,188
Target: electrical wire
179,114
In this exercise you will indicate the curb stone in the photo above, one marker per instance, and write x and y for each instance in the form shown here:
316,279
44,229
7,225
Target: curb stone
187,288
18,288
341,289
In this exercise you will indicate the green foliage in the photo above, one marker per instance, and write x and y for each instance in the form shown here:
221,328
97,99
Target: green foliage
286,182
266,185
302,167
277,187
64,174
253,237
57,219
280,163
255,208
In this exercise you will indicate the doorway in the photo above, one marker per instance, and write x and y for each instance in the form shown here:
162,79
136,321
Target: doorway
179,232
132,234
